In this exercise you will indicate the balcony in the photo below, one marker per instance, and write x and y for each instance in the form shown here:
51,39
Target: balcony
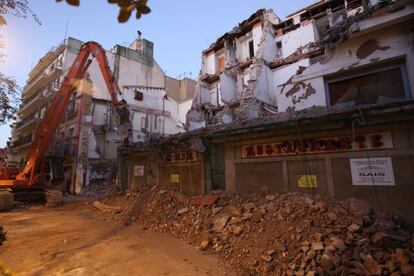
41,81
46,60
30,123
31,106
24,141
66,149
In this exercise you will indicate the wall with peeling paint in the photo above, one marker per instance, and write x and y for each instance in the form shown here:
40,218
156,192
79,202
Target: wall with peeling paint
365,50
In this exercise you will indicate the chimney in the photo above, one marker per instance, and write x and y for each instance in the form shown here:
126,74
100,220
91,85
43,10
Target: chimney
137,45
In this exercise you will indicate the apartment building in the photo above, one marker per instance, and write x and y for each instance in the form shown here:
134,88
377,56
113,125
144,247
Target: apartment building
88,136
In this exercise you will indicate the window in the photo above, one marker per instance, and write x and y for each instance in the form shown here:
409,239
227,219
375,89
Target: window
139,96
376,86
251,49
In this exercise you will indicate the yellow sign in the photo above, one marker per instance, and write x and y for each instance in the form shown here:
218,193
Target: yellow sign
307,181
175,178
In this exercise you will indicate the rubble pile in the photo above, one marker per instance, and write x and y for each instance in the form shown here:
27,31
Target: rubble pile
284,233
3,234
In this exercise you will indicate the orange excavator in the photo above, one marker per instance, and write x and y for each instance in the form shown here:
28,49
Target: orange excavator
32,174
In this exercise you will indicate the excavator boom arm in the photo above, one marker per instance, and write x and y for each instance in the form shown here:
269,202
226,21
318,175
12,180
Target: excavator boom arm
51,120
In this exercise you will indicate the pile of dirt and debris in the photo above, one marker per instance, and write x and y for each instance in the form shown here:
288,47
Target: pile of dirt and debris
283,233
3,234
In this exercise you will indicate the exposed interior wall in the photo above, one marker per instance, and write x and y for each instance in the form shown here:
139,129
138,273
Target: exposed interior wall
264,86
367,50
210,63
228,87
257,33
295,39
183,109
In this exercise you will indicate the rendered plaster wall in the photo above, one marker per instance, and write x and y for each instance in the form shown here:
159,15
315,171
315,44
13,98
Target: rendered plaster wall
269,47
366,50
264,85
183,108
228,87
203,93
215,92
257,33
242,46
210,63
300,37
130,72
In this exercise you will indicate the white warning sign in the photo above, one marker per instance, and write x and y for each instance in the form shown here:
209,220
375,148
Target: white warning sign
372,171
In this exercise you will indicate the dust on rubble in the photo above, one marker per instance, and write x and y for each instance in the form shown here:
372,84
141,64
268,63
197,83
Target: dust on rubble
282,233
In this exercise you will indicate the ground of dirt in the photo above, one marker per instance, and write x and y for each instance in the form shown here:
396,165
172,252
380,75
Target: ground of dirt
74,240
277,234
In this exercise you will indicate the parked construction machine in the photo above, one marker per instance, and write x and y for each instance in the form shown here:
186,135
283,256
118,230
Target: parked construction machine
32,177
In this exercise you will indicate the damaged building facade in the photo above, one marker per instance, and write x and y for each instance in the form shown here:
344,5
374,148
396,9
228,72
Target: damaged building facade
320,102
87,139
330,53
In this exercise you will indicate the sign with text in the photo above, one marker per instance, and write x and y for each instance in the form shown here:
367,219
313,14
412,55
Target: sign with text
175,178
374,141
139,170
308,181
372,171
182,156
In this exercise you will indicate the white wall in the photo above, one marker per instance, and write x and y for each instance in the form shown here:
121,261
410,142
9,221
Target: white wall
257,32
183,108
211,63
394,42
264,85
228,87
297,38
242,50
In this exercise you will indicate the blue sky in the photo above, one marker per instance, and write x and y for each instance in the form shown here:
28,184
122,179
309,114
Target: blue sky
180,29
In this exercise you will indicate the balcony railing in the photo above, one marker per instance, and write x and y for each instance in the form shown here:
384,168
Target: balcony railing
32,101
41,80
51,55
22,141
66,149
30,119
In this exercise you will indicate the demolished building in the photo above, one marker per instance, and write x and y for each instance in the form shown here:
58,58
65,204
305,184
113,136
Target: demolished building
87,139
320,102
312,58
